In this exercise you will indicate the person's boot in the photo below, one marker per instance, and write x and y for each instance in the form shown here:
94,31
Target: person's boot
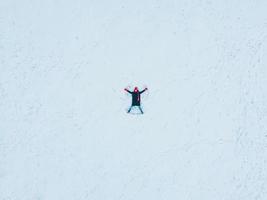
141,110
129,110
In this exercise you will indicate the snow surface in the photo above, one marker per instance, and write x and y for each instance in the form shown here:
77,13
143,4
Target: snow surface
64,131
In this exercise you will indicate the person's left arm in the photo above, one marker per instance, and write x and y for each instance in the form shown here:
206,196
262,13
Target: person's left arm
143,90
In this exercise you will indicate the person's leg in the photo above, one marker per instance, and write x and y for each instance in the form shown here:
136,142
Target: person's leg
140,109
130,109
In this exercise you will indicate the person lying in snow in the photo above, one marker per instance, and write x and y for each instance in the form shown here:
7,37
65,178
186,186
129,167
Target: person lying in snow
136,98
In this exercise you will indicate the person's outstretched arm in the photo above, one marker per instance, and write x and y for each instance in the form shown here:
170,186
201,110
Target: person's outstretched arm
143,90
128,91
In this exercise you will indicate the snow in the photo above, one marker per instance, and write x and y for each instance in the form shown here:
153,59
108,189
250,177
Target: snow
64,130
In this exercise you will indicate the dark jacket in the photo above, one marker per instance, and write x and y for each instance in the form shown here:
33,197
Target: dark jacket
136,97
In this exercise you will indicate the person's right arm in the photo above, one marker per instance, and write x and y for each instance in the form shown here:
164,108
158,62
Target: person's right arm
127,90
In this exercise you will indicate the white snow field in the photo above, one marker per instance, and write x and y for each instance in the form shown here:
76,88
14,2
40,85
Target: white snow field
64,130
